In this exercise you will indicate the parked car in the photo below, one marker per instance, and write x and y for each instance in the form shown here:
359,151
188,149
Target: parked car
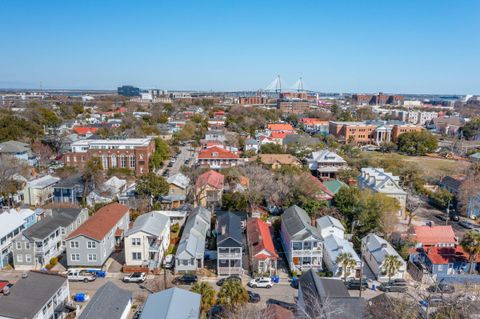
165,173
466,224
262,282
397,285
170,164
432,302
355,284
454,217
187,279
442,217
215,312
253,297
232,278
138,313
290,306
169,261
80,275
442,288
135,277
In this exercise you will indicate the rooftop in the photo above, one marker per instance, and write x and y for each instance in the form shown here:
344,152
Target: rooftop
29,295
432,235
109,302
98,226
173,303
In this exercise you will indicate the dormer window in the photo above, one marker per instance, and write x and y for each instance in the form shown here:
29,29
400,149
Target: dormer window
214,154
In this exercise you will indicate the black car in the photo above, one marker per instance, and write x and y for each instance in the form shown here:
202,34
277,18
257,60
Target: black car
253,297
232,277
454,217
466,224
442,288
397,285
215,312
289,306
187,279
442,217
165,172
355,284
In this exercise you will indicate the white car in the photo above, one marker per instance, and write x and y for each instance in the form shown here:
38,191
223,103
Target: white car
135,277
169,261
263,282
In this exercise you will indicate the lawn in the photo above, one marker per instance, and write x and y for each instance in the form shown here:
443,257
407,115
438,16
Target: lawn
429,167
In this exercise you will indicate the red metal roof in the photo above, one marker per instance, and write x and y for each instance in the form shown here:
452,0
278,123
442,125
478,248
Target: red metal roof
211,178
279,135
98,226
446,255
216,152
83,130
260,239
280,127
433,235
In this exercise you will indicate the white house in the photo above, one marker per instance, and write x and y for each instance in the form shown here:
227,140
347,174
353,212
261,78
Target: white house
39,191
302,243
335,244
374,251
326,164
379,181
147,240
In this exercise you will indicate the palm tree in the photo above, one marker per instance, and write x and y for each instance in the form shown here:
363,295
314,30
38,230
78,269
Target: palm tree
391,265
346,261
208,295
471,244
232,295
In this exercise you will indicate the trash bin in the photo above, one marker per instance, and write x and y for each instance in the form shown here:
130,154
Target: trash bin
79,297
374,287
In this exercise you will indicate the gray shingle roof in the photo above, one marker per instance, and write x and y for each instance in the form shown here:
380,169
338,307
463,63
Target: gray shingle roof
109,302
192,242
12,147
229,230
379,248
151,223
298,224
29,295
173,303
61,217
329,221
329,296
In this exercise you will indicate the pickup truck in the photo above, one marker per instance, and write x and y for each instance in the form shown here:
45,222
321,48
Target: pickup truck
81,275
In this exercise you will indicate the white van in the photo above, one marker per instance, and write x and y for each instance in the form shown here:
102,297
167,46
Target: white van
80,275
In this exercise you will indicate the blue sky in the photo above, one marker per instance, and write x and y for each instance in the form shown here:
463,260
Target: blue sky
407,46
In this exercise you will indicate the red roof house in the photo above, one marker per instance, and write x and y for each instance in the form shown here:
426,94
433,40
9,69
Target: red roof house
441,236
261,249
210,178
84,130
217,157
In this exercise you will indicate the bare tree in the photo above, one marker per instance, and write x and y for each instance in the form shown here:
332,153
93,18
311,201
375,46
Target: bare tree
11,171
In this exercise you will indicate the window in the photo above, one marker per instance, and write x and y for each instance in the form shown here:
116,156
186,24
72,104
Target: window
137,256
19,245
27,245
136,241
75,257
28,258
114,161
105,162
91,245
123,161
132,161
74,244
19,258
92,257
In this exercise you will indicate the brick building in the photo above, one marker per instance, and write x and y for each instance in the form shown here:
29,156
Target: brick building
375,132
216,157
377,99
253,100
131,153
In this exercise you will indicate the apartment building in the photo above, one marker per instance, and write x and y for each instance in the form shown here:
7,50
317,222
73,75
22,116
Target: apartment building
34,248
13,223
415,117
130,153
313,125
93,242
370,132
147,240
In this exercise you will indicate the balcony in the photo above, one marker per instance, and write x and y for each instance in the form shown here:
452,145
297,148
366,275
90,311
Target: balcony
229,256
229,271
